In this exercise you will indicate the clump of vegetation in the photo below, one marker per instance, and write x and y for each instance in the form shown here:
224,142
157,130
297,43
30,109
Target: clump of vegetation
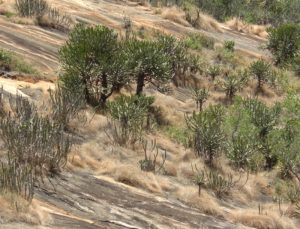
35,147
229,46
45,15
213,71
149,64
261,70
284,43
150,163
10,62
30,8
265,120
65,104
54,19
129,115
233,82
197,41
200,96
91,60
207,133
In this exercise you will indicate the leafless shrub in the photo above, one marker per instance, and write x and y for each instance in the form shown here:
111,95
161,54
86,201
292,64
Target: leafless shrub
220,185
35,146
149,163
53,18
65,105
30,8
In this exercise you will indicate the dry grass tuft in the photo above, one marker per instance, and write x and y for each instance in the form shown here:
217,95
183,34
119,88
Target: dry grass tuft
174,14
16,209
207,22
241,26
205,202
267,221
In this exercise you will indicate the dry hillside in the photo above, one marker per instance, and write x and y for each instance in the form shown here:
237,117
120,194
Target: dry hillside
102,185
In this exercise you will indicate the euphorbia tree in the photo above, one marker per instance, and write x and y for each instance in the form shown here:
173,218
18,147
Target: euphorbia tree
93,58
148,63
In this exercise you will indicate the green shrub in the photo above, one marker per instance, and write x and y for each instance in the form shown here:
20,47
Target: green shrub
10,62
179,135
129,116
284,43
149,63
286,144
207,133
197,41
232,84
93,57
242,147
213,71
261,70
200,96
265,119
229,46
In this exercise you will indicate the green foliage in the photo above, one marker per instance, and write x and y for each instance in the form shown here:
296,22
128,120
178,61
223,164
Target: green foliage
220,185
149,63
179,135
207,133
284,43
242,136
92,57
232,84
10,62
261,70
229,46
197,41
257,11
286,144
213,71
200,96
129,116
29,8
265,120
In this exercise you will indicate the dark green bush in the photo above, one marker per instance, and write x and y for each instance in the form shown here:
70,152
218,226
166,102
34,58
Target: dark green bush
207,132
149,63
261,70
284,43
93,57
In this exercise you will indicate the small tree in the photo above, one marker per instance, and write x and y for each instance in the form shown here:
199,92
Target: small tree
265,119
261,70
287,146
284,43
91,58
208,136
129,115
233,83
149,64
200,96
213,71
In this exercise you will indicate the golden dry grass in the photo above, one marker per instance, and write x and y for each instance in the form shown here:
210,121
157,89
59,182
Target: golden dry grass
241,26
269,220
174,14
207,22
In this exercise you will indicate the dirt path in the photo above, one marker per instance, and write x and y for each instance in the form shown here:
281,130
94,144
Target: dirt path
40,46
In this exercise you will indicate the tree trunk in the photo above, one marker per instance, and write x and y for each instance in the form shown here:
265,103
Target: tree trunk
140,84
